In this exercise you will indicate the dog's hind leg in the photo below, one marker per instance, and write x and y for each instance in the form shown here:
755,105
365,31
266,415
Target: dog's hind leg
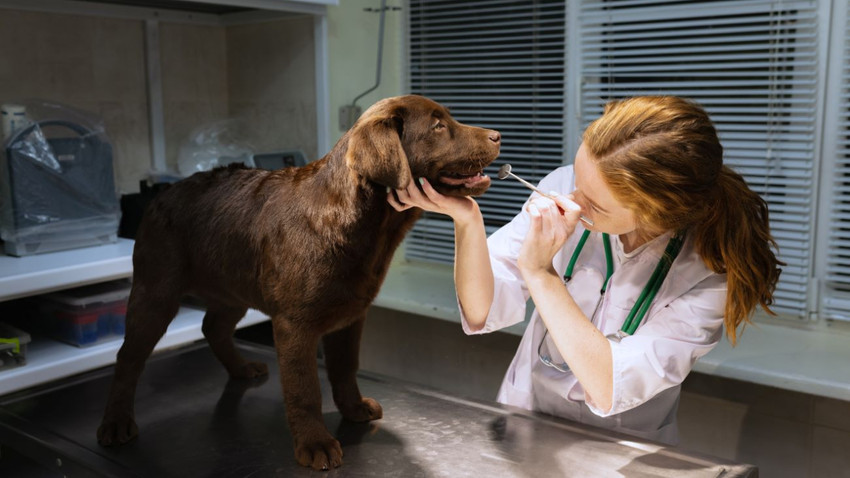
148,314
219,323
342,351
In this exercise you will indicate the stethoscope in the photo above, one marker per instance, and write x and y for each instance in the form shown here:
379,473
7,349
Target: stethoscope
644,300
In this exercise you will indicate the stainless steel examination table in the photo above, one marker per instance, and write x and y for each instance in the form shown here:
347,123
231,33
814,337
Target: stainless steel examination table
195,423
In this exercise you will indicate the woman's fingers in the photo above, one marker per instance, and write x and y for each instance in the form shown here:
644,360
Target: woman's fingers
430,192
555,224
459,208
553,221
566,203
391,198
540,228
412,197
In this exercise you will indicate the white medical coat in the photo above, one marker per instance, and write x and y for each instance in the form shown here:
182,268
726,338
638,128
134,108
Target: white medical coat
684,322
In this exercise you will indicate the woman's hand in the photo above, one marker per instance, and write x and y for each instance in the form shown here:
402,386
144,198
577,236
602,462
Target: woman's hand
458,208
551,224
473,275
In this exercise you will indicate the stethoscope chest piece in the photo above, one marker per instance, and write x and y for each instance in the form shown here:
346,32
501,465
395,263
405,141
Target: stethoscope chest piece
617,336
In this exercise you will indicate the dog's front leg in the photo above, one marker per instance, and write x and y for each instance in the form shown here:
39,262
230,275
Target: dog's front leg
296,350
342,353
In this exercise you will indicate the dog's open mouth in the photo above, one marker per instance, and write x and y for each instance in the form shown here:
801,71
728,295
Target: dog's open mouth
456,179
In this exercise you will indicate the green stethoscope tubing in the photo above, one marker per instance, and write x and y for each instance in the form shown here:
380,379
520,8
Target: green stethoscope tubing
647,295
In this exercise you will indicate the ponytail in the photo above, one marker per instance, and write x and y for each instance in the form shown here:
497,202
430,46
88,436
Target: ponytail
733,237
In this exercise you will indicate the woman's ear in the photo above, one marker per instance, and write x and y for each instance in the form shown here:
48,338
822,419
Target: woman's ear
375,152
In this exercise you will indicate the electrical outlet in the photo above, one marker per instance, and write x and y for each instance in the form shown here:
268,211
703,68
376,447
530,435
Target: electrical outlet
348,114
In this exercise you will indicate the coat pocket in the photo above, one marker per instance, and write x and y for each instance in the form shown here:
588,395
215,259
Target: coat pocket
511,393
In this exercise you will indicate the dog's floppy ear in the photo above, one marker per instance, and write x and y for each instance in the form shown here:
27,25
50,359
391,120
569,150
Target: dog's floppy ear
375,151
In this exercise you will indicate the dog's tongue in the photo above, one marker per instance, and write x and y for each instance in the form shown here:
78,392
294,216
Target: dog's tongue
466,181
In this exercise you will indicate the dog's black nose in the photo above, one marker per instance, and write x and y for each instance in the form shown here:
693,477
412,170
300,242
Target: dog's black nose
495,136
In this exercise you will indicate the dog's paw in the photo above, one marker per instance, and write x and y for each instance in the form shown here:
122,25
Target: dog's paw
115,431
366,410
319,454
251,370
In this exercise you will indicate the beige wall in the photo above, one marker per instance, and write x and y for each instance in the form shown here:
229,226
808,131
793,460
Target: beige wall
194,81
352,52
261,73
90,63
272,84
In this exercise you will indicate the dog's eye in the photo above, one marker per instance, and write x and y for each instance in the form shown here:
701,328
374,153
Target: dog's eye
439,126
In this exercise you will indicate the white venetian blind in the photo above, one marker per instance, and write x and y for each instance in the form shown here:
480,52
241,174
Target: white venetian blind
497,64
752,65
836,303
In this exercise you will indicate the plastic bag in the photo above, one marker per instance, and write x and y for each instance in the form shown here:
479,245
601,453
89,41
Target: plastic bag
212,145
57,189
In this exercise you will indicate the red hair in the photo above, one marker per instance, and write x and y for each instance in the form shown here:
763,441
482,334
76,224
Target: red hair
662,156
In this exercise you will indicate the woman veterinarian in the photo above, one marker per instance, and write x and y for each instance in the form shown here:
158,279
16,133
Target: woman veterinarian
612,346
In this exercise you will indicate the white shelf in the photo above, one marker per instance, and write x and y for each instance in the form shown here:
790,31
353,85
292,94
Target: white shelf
40,273
785,357
49,360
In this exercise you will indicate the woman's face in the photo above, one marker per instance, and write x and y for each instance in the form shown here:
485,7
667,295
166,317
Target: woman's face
596,200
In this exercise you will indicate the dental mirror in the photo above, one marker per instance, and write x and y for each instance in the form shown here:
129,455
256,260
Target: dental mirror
505,171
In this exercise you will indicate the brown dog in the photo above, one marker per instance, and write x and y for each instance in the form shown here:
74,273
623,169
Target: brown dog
307,246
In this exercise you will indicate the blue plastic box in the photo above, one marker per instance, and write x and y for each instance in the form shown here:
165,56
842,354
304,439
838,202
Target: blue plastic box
86,315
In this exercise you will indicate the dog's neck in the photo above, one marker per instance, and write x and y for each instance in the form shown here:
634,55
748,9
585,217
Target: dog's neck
352,198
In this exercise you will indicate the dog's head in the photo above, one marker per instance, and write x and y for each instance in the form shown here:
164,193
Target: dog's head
405,137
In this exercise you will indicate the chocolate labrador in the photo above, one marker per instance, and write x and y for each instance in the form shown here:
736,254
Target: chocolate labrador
307,246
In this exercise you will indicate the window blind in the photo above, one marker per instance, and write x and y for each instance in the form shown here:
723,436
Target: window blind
752,66
836,294
497,64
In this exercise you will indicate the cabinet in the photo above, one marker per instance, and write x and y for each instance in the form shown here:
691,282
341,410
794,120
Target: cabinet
152,70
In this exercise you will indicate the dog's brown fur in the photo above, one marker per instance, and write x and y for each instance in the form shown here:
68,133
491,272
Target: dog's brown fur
308,246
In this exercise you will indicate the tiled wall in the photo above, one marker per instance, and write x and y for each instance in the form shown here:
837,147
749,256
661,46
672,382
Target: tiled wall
786,434
194,81
93,64
274,93
263,73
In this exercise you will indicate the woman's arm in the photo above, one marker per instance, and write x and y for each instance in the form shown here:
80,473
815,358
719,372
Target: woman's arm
579,342
472,272
473,275
663,350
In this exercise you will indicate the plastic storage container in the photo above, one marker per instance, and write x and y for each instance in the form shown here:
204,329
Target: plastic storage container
57,186
86,315
13,346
